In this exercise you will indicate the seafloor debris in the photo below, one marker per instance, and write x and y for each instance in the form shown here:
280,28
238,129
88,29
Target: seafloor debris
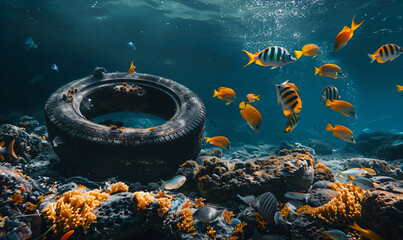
130,88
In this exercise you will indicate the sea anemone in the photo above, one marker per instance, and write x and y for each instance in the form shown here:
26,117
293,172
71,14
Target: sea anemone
187,221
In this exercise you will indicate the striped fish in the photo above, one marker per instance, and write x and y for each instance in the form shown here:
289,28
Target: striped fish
271,56
331,93
386,53
251,115
265,203
287,95
292,122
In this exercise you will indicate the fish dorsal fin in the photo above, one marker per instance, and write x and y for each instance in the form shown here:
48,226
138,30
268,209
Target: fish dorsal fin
242,105
221,88
292,85
285,82
350,178
346,29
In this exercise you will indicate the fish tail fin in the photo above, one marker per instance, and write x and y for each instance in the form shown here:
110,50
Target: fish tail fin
131,65
317,70
10,149
258,97
372,57
328,103
227,103
208,139
399,88
298,54
215,93
242,105
329,127
252,57
354,26
355,226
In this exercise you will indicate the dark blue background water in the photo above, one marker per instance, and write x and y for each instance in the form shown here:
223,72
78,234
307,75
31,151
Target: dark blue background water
199,43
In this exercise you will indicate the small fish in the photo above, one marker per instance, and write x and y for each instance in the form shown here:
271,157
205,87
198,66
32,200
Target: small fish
58,141
219,141
87,103
131,45
131,69
363,183
342,132
366,233
292,122
345,35
67,235
174,183
298,196
330,70
36,78
369,170
54,67
251,115
265,203
9,150
331,93
386,53
321,184
208,214
352,172
271,56
399,88
252,97
335,235
29,43
308,50
288,96
343,107
224,93
383,179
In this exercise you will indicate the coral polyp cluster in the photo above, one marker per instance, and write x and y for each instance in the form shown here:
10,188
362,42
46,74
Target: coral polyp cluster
143,199
227,216
239,230
117,187
321,166
261,223
345,208
74,209
285,211
164,203
187,221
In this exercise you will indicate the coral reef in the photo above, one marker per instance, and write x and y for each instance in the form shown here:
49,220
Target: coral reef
142,199
321,147
381,167
187,221
384,145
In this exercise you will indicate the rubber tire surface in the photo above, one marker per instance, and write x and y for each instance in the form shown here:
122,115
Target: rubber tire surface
97,152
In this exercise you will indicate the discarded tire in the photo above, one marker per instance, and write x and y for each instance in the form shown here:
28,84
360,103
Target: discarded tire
97,151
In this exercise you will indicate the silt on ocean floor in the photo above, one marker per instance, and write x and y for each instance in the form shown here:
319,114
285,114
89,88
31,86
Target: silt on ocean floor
159,120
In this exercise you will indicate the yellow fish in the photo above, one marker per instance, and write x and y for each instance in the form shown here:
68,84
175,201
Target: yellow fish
9,150
342,132
131,69
330,70
219,141
292,122
366,233
345,35
252,97
343,107
287,95
386,53
399,88
251,115
226,94
308,50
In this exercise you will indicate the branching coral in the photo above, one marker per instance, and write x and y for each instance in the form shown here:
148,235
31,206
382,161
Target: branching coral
261,223
210,231
227,216
345,208
117,187
198,202
239,230
143,199
321,166
187,221
303,209
285,211
164,202
74,209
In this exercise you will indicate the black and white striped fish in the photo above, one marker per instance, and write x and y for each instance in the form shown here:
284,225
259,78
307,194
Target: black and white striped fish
271,56
265,203
330,92
292,122
387,52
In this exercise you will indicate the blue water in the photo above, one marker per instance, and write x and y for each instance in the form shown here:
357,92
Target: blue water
199,43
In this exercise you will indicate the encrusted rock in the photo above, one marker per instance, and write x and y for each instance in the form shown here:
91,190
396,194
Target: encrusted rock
381,167
320,147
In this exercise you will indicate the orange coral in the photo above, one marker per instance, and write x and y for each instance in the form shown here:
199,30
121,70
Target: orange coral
303,209
16,198
187,223
321,166
164,201
227,216
187,204
345,208
143,199
285,211
231,238
117,187
74,209
239,229
261,223
198,202
210,231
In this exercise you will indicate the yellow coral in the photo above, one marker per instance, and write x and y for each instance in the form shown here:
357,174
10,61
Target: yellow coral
239,230
227,216
198,202
143,199
117,187
187,221
231,238
345,208
187,204
210,231
321,166
164,202
285,211
16,198
303,209
261,223
74,209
